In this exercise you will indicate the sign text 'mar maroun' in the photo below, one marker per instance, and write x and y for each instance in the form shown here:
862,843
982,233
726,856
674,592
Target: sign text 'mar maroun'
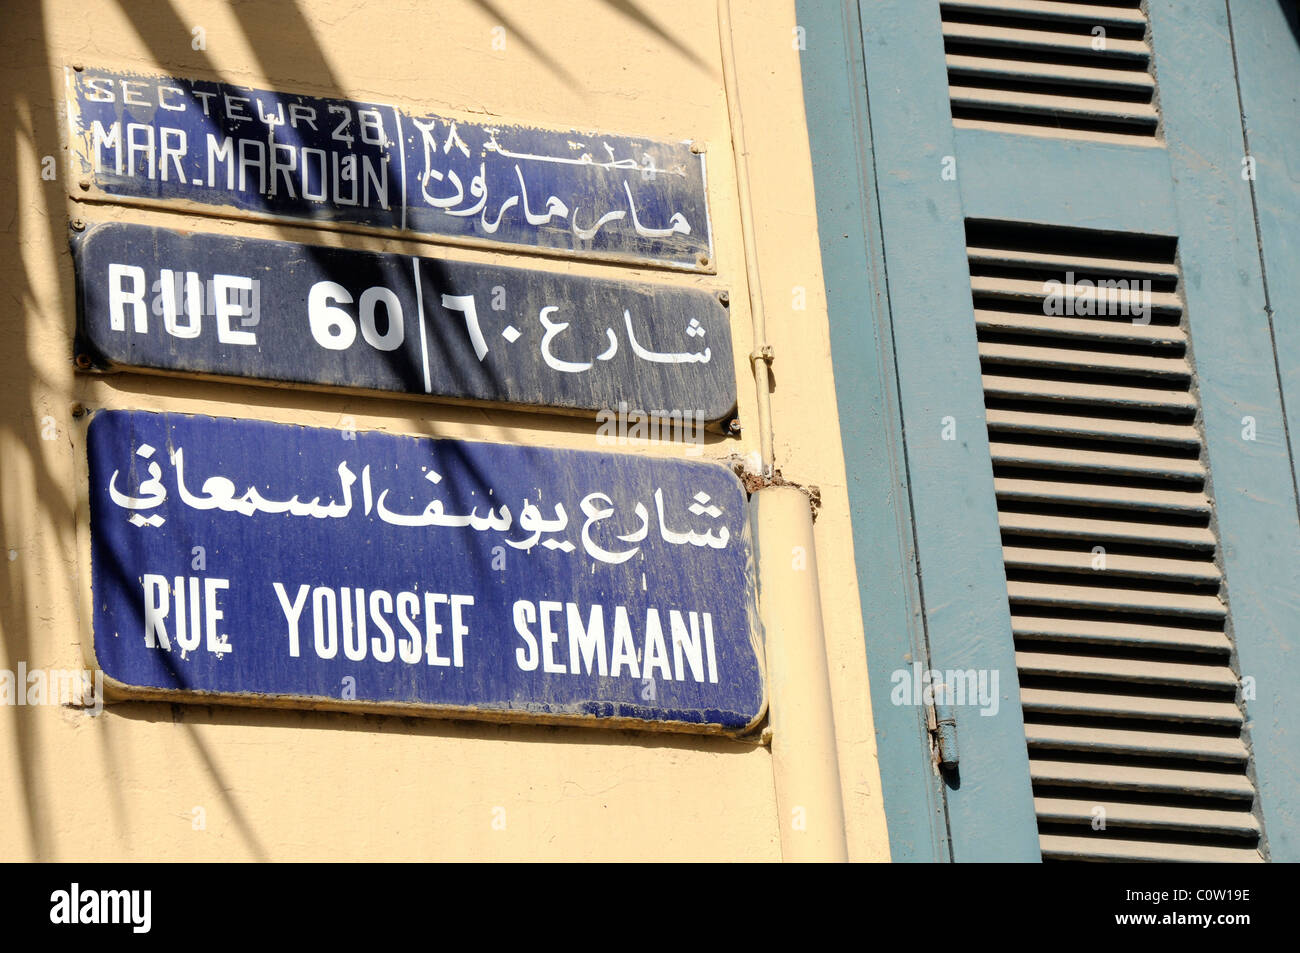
268,563
269,154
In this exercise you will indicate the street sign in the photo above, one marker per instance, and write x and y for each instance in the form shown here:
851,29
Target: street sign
280,312
260,153
271,564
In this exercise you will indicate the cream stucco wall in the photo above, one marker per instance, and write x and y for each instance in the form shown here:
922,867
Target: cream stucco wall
302,785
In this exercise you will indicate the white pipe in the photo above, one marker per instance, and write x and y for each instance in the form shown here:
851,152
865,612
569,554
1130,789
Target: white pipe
805,761
761,356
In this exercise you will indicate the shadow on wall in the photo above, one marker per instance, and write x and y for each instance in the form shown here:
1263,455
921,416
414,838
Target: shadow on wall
37,217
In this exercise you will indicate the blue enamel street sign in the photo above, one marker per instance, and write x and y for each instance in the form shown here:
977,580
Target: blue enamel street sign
267,563
226,306
270,154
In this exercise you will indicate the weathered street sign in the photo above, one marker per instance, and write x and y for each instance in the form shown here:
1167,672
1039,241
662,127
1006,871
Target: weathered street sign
165,300
262,153
267,563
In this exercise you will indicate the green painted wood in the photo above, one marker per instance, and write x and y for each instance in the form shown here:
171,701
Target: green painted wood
870,425
1236,344
1266,36
1192,189
958,544
1060,181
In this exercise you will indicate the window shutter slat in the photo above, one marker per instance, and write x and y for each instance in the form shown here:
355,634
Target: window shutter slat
1110,549
1040,67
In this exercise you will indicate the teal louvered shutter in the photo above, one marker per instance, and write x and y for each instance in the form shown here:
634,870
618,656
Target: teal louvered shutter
1052,357
1109,546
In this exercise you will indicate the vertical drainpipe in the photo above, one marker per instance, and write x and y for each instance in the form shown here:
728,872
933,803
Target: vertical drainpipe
760,359
805,761
805,765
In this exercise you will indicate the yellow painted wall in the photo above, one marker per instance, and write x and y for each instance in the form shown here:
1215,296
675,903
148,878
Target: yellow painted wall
301,785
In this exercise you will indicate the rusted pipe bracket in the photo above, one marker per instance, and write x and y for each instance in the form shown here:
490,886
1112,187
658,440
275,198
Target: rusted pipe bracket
754,482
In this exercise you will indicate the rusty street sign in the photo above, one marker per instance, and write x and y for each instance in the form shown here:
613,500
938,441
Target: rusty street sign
260,153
